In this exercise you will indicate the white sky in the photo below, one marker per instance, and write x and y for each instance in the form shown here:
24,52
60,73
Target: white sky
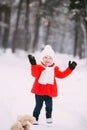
69,108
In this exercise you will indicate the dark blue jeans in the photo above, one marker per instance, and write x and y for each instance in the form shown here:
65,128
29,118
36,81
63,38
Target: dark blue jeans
39,103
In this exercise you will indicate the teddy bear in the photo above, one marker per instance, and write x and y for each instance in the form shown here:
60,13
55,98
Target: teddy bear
23,122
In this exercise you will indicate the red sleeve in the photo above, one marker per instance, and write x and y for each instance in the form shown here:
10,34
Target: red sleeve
62,74
35,70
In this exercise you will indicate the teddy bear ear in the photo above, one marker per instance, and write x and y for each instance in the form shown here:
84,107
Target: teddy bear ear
19,117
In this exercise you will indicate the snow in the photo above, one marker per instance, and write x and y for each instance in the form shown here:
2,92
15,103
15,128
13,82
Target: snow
69,108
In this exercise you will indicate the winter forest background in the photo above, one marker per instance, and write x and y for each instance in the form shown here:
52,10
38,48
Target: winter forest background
31,24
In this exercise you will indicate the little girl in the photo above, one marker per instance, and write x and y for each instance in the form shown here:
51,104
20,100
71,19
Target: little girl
45,86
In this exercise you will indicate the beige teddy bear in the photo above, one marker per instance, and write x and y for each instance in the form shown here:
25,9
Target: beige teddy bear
23,123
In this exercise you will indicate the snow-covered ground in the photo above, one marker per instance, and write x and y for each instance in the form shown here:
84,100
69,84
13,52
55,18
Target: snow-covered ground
70,107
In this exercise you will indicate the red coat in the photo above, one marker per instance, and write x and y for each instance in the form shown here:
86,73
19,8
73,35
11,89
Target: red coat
48,89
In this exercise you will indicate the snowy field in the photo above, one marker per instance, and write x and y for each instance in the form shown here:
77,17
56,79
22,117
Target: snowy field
70,107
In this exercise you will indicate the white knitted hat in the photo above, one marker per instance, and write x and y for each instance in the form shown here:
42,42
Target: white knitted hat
47,51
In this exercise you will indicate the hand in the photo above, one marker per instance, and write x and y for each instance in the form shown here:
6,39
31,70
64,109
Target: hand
72,65
32,59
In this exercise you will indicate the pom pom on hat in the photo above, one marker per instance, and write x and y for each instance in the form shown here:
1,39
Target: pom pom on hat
47,51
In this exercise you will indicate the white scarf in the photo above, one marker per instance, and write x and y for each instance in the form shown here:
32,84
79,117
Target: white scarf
47,76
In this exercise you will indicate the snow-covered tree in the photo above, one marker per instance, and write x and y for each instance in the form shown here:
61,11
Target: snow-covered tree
78,9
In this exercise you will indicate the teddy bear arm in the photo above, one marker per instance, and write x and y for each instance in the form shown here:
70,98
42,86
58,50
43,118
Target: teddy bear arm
16,126
26,127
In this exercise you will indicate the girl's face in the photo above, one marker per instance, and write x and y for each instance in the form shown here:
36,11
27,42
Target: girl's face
47,60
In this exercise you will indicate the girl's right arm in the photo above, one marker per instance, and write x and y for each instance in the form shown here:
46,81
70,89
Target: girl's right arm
35,70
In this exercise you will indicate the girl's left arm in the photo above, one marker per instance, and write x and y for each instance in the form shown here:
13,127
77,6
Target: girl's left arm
62,74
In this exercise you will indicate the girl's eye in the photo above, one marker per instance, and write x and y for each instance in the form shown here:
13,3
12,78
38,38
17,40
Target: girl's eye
45,57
